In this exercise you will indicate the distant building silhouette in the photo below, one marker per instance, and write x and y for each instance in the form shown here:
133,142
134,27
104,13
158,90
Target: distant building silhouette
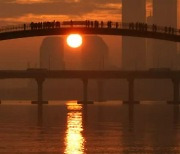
52,53
133,49
95,57
51,57
164,14
149,47
94,53
162,54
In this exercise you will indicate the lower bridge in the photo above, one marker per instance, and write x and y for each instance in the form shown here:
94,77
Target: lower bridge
40,75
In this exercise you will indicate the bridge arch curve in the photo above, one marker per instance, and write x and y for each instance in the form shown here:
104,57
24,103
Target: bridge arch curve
117,29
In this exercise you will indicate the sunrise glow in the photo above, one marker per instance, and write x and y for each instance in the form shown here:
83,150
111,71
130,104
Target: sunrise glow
74,40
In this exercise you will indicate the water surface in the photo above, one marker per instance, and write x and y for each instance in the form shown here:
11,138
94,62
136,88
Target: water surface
108,127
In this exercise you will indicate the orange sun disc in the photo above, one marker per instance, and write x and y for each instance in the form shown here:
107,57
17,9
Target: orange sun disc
74,40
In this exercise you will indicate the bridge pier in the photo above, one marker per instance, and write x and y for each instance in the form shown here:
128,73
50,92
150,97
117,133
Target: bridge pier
85,93
130,92
175,92
85,90
40,89
40,82
131,116
100,86
176,115
40,114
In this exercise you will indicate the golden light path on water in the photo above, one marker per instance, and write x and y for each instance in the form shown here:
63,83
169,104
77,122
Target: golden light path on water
74,140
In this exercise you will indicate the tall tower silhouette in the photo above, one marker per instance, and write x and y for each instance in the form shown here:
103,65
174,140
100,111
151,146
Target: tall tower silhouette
149,47
52,53
94,53
164,14
133,49
95,57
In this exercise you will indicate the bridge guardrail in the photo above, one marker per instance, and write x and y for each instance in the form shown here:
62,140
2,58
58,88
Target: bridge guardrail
90,24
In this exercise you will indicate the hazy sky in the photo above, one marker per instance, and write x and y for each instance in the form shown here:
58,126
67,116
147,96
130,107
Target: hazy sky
13,11
36,10
18,52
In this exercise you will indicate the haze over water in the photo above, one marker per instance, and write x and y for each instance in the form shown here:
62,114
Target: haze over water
105,127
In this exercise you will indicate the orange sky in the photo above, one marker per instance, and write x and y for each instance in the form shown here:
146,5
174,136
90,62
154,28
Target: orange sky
17,53
20,11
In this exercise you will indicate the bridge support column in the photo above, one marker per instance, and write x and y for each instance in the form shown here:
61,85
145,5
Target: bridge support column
40,89
175,92
100,86
85,90
131,116
176,115
131,92
40,82
85,93
131,89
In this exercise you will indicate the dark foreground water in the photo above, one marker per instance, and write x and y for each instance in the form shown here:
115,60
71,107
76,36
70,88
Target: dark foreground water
108,127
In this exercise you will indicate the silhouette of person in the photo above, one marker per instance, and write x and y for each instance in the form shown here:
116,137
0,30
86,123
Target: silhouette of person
109,24
44,25
32,25
117,25
165,29
169,30
137,25
39,25
96,24
53,24
24,26
88,23
71,23
132,26
57,24
154,28
92,24
172,29
146,27
102,24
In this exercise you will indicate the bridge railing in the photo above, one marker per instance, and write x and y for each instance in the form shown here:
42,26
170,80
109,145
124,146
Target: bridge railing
90,24
12,28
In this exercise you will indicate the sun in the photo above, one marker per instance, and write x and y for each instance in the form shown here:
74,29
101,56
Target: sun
74,40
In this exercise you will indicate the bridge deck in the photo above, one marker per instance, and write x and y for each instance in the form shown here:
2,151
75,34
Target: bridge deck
7,74
116,28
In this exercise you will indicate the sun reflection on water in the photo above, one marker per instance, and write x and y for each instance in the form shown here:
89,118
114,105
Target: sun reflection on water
74,140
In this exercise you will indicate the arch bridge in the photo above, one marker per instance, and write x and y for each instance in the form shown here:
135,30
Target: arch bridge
90,27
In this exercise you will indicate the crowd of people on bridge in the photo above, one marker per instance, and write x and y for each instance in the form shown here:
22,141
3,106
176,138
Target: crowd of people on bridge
45,25
138,26
143,27
57,24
